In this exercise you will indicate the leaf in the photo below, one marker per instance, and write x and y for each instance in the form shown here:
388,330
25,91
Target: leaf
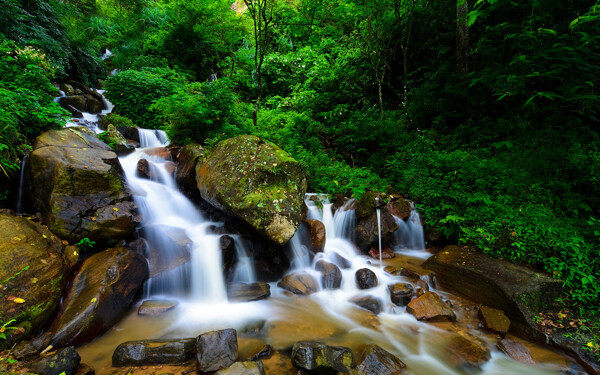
18,300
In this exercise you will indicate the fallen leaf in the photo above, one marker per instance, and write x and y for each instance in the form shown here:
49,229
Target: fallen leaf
115,208
18,300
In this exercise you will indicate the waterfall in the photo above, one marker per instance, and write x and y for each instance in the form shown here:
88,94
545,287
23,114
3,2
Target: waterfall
244,271
410,232
166,211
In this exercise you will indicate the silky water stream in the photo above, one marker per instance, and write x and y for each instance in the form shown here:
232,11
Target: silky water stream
199,287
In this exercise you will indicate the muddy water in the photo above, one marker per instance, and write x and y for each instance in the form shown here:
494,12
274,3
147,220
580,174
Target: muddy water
282,320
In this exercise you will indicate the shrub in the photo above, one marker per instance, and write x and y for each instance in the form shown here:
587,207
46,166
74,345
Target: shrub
117,120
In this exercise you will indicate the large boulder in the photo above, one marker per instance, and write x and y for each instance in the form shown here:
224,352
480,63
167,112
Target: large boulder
430,306
317,234
66,362
518,291
367,230
257,182
188,157
244,292
154,352
98,296
76,182
216,350
300,283
32,275
117,141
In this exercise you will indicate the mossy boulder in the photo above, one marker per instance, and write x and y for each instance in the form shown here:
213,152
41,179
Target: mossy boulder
76,182
316,357
117,141
32,276
257,182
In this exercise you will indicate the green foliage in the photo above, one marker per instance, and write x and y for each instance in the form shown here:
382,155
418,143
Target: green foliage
117,120
133,92
85,244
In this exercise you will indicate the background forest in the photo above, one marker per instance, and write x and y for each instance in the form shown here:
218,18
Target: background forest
484,113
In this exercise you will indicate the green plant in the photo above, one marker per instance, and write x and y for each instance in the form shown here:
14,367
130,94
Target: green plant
85,244
6,326
117,120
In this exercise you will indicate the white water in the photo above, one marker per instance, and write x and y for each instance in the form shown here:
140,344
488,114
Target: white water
409,235
90,120
244,269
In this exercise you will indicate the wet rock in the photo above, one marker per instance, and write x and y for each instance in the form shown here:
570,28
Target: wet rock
129,132
78,186
365,206
172,238
518,291
331,275
387,253
75,113
299,283
368,303
65,361
494,320
75,101
188,157
160,152
228,253
400,208
67,89
156,307
342,262
367,231
243,368
33,273
154,352
257,182
376,361
430,306
516,351
319,358
401,293
216,350
365,278
466,352
266,352
98,296
143,169
317,234
84,369
242,292
92,105
116,141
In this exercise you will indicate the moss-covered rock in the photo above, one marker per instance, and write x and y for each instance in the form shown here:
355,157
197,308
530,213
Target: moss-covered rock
76,182
116,140
257,182
32,276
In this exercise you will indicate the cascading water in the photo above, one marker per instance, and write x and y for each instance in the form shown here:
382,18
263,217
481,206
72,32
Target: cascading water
244,270
409,235
378,209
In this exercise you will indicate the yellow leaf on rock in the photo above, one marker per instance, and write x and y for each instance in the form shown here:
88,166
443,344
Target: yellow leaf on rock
116,209
94,299
18,300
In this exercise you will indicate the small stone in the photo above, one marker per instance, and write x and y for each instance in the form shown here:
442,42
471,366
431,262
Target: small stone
317,234
156,307
331,275
242,292
243,368
154,352
365,278
464,351
430,306
376,361
368,303
516,351
317,357
299,283
65,360
494,320
401,293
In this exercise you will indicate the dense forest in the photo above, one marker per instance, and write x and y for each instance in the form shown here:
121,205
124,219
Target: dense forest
485,113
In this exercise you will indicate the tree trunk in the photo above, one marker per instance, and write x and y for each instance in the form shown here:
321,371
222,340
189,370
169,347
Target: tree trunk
462,38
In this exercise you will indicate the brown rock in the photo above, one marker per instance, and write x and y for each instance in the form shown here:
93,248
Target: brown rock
188,157
401,293
172,238
216,350
464,351
160,152
430,306
516,351
331,275
299,283
243,368
156,307
367,230
317,234
400,208
242,292
494,320
387,253
368,303
376,361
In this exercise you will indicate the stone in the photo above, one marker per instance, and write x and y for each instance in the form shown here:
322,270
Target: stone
367,231
376,361
75,113
173,238
386,254
156,307
65,361
154,352
188,157
33,274
143,169
401,293
92,105
365,206
494,320
430,306
401,208
265,352
77,184
316,357
366,279
245,292
216,350
467,352
257,182
116,141
75,101
516,351
67,89
331,275
369,303
516,290
84,369
317,234
98,296
243,368
159,152
299,283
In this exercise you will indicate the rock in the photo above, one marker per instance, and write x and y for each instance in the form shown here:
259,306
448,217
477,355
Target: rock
78,186
430,306
317,234
156,307
365,206
188,157
98,296
331,275
317,357
171,238
494,320
518,291
341,262
365,278
67,89
116,141
387,253
228,253
401,293
75,113
401,208
143,169
467,352
367,231
242,292
299,283
75,101
154,352
92,104
65,361
160,152
216,350
33,273
376,361
368,303
265,352
516,351
129,132
257,182
243,368
84,369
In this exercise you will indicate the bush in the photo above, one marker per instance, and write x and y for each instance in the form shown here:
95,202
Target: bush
133,92
117,120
